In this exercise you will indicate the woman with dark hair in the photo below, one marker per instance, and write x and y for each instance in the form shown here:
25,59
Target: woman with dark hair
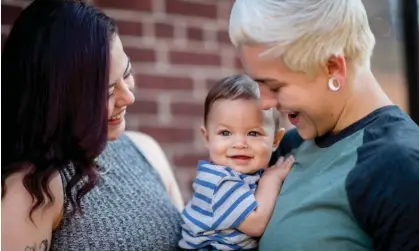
64,187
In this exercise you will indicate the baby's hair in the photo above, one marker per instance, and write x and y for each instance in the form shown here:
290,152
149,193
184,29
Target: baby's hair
239,86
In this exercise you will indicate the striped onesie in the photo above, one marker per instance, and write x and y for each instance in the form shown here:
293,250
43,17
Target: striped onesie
222,199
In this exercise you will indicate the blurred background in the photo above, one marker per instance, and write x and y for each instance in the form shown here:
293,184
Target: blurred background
180,47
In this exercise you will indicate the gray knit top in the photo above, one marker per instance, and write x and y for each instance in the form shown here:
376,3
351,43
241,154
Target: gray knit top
129,209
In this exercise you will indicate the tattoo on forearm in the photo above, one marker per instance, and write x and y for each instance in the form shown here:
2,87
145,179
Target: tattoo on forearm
43,246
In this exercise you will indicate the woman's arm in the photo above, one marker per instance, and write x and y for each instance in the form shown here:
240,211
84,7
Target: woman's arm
157,159
18,232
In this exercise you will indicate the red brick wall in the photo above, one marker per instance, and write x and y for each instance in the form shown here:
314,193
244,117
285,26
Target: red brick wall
178,48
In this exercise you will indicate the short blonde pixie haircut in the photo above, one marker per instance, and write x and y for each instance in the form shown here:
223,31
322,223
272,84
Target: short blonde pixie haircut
305,33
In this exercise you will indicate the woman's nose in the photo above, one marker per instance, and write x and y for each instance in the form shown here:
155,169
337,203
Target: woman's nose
126,95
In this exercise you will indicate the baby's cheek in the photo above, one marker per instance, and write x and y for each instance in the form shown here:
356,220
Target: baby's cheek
264,152
217,151
267,145
217,147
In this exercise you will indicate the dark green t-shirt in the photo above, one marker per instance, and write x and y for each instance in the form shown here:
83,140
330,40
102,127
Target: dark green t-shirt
354,191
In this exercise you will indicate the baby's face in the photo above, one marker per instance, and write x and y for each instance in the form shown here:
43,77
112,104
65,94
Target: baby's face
240,135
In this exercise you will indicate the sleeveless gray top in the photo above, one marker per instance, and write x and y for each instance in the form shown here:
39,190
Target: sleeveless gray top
129,209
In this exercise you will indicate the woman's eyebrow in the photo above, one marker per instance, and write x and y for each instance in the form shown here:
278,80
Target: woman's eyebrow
125,73
264,80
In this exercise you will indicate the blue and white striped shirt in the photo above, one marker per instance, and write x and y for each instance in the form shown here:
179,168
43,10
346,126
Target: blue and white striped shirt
222,199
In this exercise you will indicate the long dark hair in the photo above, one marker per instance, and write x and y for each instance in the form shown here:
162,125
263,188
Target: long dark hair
55,68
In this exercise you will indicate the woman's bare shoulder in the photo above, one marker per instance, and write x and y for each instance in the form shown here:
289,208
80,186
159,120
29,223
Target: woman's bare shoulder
157,159
147,145
19,231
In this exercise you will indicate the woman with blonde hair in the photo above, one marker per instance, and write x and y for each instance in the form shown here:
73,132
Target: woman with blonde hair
355,180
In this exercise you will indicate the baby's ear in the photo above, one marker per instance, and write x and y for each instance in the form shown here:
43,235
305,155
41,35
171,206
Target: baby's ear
278,137
204,135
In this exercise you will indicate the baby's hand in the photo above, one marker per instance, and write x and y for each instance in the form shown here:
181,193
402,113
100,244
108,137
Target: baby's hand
280,170
266,195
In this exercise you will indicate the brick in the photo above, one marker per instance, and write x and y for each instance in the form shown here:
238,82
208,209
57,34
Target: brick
141,55
189,159
130,28
9,13
195,34
190,58
192,9
224,8
209,83
163,82
187,109
223,37
139,5
164,30
144,107
185,176
168,134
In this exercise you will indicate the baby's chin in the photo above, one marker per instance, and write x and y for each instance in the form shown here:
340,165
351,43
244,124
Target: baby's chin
248,168
245,169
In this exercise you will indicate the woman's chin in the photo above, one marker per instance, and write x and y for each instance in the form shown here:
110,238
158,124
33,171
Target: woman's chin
112,138
115,132
307,134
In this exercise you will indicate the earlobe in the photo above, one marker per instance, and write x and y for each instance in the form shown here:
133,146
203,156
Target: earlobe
204,136
334,84
336,71
278,137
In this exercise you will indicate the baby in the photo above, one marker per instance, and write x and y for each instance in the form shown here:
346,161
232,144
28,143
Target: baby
234,193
